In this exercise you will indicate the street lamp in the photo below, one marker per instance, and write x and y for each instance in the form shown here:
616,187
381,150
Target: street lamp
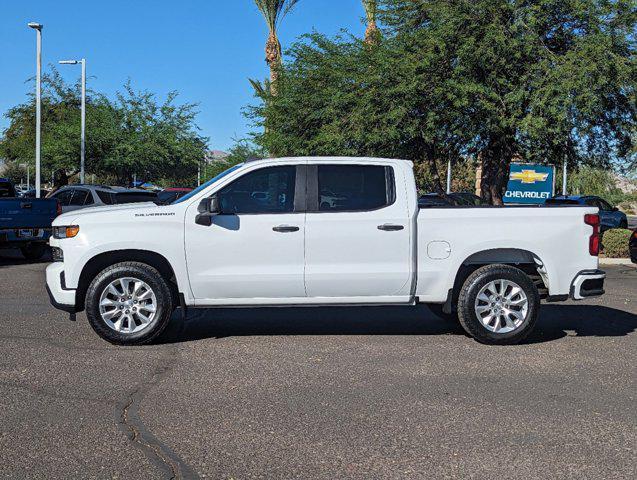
83,132
38,102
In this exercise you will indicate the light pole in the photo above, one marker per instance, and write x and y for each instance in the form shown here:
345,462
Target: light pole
449,177
38,102
83,133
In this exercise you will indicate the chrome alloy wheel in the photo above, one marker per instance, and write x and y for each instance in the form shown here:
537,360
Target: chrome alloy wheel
128,305
501,306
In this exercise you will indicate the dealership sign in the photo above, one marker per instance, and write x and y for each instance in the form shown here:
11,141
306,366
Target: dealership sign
530,183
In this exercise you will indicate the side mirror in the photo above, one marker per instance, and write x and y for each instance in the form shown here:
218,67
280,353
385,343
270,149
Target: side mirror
615,209
207,208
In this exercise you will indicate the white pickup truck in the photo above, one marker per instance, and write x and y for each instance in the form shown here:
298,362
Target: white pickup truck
320,231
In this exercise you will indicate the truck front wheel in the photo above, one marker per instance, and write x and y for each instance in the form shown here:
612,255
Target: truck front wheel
129,303
498,305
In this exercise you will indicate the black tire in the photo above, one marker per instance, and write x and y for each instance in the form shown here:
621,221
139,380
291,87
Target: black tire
467,305
436,309
140,271
33,251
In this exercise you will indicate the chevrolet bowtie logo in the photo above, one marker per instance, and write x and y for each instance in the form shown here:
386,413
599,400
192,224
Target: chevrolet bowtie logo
529,176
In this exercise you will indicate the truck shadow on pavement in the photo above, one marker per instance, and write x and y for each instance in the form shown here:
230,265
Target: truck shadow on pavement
556,321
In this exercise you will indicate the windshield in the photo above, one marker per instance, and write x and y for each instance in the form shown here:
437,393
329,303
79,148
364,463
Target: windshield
206,185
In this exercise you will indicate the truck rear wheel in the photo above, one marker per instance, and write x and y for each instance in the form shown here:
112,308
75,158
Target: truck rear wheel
498,305
129,303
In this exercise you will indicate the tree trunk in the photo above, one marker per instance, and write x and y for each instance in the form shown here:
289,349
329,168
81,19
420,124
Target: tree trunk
60,178
273,59
496,159
372,34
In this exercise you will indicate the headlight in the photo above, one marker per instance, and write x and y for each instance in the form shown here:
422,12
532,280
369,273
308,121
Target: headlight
58,255
66,232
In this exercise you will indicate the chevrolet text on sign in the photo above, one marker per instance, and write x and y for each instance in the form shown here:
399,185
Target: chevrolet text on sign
530,183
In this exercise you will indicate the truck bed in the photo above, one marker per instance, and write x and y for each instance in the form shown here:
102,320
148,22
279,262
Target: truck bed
552,238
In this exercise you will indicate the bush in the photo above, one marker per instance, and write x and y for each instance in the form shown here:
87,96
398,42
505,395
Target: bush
615,243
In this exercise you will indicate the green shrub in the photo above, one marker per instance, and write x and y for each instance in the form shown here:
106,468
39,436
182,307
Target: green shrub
615,243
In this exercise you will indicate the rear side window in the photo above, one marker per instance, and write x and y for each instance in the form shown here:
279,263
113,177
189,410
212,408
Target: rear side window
561,201
135,197
605,206
349,188
105,197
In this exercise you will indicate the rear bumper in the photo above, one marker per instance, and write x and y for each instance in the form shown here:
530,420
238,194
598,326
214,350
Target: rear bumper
15,237
587,283
61,297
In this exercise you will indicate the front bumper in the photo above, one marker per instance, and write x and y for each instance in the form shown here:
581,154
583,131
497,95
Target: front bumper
61,297
588,283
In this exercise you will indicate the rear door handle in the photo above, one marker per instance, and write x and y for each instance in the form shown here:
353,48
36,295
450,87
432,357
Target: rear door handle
388,227
285,228
26,205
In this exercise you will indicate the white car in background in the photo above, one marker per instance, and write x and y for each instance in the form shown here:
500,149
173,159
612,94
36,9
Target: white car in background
75,197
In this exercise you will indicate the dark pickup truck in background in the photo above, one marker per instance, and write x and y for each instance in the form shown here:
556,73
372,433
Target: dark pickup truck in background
25,223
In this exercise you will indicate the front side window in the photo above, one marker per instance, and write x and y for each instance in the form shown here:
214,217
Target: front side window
354,187
267,190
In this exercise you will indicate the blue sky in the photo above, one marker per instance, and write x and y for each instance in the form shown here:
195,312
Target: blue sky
205,49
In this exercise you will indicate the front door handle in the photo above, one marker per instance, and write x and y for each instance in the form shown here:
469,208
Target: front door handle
285,228
26,205
388,227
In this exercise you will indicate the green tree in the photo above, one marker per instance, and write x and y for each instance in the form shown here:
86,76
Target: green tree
393,100
546,79
273,11
60,151
133,135
154,140
490,79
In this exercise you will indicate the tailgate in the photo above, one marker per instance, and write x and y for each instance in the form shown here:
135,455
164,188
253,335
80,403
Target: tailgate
27,212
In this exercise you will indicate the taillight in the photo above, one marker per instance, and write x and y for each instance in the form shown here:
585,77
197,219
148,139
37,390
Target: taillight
592,219
58,207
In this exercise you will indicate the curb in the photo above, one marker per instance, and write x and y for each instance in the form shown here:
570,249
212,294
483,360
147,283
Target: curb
615,261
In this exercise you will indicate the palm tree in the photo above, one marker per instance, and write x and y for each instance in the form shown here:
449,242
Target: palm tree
273,11
372,33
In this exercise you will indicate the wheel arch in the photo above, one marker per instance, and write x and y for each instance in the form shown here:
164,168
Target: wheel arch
105,259
527,261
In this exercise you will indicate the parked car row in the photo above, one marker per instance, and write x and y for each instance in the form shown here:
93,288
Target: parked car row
25,221
610,217
75,197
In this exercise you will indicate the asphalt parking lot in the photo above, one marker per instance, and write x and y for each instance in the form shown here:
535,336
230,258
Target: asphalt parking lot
317,393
